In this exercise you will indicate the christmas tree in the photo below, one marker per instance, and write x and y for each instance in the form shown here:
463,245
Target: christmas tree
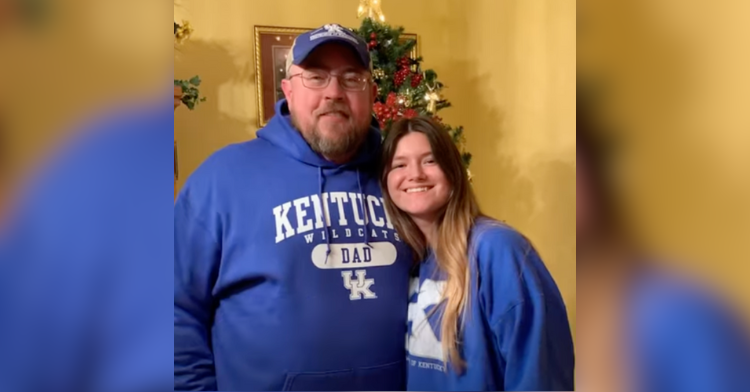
404,89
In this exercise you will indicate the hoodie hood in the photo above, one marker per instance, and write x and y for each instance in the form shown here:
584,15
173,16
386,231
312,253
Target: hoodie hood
281,133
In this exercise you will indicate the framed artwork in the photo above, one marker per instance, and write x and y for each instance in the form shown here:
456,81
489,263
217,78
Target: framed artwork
415,51
272,45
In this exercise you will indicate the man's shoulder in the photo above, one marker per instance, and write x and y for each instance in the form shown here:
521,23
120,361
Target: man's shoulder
244,154
242,150
223,166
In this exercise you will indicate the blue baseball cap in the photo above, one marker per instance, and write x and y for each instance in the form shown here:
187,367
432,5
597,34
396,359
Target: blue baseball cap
306,43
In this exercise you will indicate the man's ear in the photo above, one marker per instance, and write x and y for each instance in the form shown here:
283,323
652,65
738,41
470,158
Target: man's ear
374,92
286,86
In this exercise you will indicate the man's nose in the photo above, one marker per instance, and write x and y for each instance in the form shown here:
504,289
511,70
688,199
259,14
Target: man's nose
334,90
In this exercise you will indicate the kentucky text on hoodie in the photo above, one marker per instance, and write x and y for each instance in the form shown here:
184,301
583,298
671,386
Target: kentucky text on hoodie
289,275
341,202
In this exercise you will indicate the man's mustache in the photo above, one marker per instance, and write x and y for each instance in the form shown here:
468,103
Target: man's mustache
332,108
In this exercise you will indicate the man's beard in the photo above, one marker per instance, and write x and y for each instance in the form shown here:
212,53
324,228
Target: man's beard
350,139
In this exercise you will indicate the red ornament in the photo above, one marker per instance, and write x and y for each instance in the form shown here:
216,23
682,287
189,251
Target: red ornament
410,113
373,35
416,79
400,77
391,100
403,62
391,111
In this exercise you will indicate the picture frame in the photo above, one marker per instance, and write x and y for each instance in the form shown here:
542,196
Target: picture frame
415,51
272,44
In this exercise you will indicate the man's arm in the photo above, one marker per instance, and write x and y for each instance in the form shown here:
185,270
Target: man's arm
196,259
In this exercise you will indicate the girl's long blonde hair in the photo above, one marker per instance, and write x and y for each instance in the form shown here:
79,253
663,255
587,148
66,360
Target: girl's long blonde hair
454,226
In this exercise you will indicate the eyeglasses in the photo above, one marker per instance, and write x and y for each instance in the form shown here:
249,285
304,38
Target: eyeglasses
318,80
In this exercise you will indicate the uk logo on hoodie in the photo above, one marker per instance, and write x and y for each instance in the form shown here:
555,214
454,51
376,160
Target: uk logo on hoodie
364,247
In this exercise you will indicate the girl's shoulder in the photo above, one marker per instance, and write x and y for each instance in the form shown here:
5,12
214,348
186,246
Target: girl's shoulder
488,234
498,249
509,271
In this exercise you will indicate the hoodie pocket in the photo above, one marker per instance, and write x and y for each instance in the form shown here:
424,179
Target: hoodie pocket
388,377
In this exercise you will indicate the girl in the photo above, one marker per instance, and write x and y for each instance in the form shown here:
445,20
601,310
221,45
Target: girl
484,312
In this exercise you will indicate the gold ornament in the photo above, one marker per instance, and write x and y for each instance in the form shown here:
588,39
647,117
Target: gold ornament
183,32
378,74
370,8
404,100
407,98
432,97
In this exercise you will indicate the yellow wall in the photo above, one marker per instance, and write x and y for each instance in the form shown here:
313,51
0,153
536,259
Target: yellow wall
510,71
677,89
88,54
513,83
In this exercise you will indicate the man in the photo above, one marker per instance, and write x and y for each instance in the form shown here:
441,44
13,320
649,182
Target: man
288,273
85,270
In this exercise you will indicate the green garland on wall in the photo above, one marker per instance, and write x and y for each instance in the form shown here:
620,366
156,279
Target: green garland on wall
190,92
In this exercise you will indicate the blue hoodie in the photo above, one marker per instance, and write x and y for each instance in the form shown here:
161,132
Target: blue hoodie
516,335
288,273
682,338
86,264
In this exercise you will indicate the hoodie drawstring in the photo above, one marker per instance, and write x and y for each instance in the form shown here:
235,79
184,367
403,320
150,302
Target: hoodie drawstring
363,205
323,205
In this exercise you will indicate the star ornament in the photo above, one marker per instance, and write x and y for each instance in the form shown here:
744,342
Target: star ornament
371,9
